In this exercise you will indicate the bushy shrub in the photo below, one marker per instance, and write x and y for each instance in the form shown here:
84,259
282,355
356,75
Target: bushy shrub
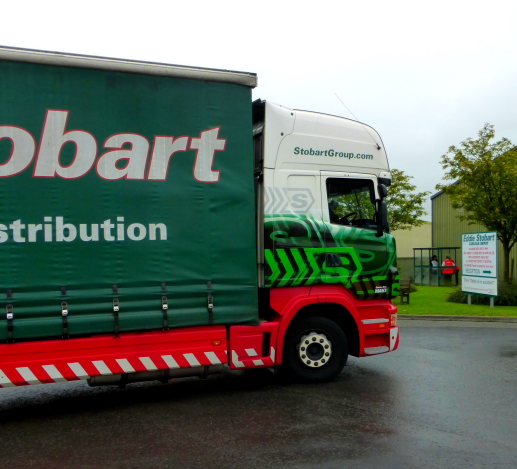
507,296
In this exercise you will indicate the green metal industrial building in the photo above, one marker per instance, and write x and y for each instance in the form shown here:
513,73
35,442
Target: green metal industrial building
448,228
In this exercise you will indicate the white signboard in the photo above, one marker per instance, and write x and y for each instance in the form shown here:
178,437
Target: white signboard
479,263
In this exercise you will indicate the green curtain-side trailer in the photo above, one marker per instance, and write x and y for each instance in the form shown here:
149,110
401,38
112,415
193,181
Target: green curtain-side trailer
105,201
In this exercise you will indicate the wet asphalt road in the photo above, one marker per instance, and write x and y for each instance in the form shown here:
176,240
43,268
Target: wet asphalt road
447,398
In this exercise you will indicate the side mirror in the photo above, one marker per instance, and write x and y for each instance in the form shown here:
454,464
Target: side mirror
385,181
383,191
382,217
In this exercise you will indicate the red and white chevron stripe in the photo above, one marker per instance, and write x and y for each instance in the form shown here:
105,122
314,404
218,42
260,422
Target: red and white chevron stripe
55,361
60,371
252,360
247,346
79,359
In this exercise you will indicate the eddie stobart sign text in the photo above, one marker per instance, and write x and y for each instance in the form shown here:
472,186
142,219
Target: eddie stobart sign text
479,254
478,239
479,263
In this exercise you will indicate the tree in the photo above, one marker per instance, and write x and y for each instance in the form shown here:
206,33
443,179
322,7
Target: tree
404,205
485,185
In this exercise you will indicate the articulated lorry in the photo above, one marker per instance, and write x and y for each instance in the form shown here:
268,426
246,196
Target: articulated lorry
155,223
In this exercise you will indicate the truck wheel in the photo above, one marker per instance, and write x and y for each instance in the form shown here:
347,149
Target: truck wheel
315,350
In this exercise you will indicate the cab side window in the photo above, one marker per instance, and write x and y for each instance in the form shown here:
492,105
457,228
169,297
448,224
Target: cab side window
351,202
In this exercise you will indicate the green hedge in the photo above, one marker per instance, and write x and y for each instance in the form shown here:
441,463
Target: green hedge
507,296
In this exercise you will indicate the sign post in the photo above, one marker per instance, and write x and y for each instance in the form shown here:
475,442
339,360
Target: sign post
479,264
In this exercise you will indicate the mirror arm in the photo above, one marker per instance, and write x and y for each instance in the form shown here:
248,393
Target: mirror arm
382,217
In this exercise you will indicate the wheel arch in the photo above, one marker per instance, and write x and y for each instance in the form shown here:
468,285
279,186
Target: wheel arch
336,313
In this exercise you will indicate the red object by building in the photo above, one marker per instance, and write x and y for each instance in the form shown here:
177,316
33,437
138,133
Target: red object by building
451,267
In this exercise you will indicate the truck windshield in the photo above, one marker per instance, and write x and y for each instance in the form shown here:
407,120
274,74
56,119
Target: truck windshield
351,202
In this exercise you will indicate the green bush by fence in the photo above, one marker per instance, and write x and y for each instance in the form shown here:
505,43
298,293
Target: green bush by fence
507,296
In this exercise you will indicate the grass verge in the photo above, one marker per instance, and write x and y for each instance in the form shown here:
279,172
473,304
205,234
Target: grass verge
433,300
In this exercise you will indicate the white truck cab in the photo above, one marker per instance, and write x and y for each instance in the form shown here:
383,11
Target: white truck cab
324,179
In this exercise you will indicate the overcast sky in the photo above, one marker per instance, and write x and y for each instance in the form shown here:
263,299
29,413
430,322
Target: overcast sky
425,75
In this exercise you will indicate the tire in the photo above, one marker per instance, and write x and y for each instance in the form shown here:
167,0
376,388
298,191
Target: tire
315,350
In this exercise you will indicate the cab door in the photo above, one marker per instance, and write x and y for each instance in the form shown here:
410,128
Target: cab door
356,254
